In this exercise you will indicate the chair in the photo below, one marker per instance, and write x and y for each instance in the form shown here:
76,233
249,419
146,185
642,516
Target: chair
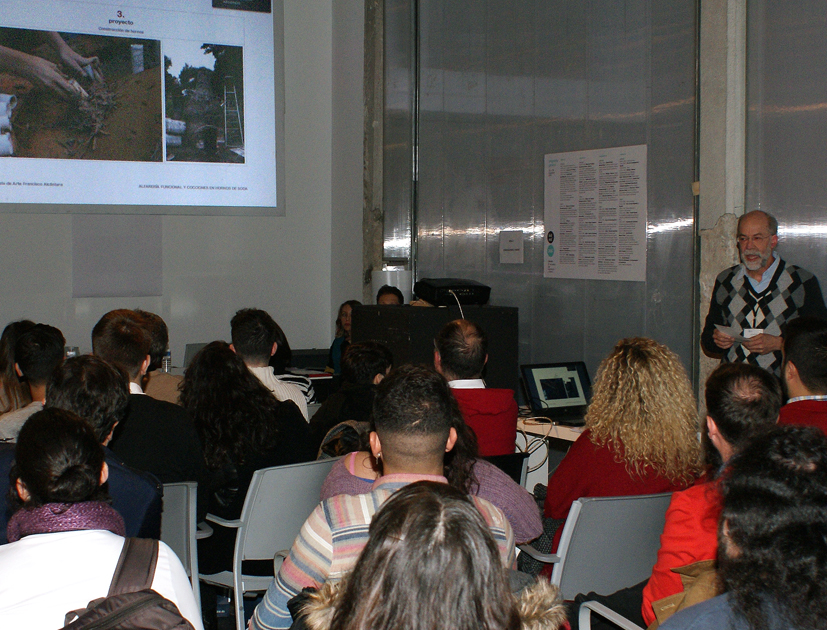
515,465
608,543
179,529
277,504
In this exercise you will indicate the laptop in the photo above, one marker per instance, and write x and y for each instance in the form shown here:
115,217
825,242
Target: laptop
558,391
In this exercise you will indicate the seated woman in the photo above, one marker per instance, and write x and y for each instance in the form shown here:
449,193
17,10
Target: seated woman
356,472
431,562
65,538
13,395
641,432
243,428
342,340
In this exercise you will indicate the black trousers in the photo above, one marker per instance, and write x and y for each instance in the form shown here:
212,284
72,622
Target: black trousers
627,602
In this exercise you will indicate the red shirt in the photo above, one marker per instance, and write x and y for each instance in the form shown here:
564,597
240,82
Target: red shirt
492,414
689,535
589,470
810,413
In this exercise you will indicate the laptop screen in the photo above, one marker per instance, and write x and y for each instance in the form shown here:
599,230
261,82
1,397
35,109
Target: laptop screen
557,386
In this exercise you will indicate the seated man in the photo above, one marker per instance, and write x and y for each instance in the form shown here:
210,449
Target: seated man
157,383
37,352
389,296
254,335
412,416
804,373
155,436
772,557
460,354
363,368
97,392
742,401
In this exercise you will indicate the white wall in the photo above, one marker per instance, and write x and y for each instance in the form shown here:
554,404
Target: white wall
213,266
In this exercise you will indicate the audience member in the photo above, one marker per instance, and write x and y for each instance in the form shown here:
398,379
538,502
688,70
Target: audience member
243,427
641,431
357,472
363,368
13,395
342,340
281,360
37,352
254,335
804,373
97,392
742,401
155,436
412,414
65,538
157,383
772,554
389,296
431,562
460,355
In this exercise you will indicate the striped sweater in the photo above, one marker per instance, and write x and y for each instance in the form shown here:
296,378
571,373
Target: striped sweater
333,536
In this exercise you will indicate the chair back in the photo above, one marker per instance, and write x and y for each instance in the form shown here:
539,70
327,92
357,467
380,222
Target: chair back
178,526
609,543
278,502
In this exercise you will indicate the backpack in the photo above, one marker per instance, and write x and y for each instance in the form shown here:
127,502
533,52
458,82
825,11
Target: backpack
131,604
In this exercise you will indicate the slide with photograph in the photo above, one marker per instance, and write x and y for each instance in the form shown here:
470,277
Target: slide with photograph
138,103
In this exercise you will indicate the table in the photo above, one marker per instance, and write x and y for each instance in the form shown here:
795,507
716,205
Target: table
532,438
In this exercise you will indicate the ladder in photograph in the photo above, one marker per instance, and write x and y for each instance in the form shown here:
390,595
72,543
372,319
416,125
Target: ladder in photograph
233,132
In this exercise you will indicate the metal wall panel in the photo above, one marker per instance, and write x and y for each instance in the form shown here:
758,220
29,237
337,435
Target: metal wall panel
787,125
503,82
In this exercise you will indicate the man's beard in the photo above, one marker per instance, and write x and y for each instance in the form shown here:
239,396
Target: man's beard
763,259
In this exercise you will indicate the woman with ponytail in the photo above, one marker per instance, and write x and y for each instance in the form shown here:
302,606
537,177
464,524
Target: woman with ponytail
64,537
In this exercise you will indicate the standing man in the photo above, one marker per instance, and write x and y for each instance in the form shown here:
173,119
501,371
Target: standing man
755,298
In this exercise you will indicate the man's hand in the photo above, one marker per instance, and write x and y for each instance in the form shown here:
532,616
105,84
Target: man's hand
79,65
763,344
722,340
38,71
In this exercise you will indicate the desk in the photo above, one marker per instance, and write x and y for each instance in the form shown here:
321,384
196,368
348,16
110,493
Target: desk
532,438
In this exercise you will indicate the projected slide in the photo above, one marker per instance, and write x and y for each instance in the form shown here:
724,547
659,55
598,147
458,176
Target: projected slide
146,102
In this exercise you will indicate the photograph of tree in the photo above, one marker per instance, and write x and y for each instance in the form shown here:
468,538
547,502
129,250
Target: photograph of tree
204,92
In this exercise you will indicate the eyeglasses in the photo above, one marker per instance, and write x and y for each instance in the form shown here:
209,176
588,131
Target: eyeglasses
758,239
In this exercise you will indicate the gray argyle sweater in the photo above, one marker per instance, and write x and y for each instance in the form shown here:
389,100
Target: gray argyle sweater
792,292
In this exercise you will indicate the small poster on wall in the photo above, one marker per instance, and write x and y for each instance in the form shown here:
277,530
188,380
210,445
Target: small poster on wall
595,214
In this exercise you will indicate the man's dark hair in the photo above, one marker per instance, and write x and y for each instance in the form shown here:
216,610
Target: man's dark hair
805,346
772,550
463,348
363,361
389,290
158,337
121,339
38,351
414,401
93,389
743,400
253,334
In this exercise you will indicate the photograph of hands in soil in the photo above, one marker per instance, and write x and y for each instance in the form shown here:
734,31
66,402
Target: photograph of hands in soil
80,97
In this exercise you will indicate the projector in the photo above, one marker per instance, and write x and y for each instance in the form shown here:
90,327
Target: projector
441,291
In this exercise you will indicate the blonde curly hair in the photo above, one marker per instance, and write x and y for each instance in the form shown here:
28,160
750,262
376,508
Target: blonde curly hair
643,407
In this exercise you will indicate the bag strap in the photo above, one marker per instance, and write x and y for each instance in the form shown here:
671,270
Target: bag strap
136,566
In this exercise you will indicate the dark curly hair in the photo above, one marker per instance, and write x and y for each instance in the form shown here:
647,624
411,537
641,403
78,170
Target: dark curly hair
232,411
772,540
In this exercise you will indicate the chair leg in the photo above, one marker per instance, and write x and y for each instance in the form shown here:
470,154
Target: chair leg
238,603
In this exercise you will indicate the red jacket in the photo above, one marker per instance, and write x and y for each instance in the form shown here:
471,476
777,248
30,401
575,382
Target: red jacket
689,535
492,414
811,413
589,470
